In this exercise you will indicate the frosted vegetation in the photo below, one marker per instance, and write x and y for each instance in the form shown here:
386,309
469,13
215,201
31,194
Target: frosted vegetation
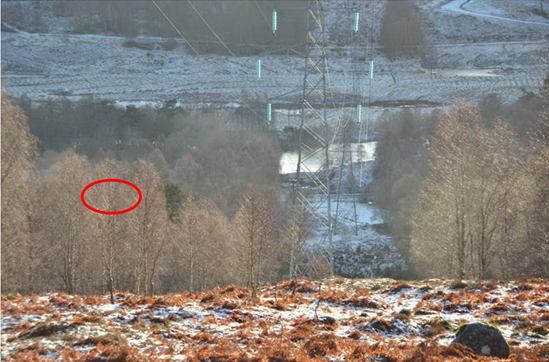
450,180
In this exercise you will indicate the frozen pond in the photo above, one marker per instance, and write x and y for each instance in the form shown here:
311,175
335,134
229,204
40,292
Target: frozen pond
361,152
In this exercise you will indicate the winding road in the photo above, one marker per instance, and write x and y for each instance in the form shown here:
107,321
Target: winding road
458,6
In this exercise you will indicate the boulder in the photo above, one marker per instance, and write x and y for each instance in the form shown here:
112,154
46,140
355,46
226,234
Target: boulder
483,340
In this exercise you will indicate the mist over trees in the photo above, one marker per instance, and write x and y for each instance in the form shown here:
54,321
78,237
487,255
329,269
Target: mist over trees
400,166
464,190
206,154
190,231
473,202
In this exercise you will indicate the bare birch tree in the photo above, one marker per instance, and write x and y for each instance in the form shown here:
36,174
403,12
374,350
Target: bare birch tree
203,238
254,223
70,223
148,225
112,229
294,235
469,195
18,155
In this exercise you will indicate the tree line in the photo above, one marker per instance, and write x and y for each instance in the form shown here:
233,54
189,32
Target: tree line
207,154
401,34
212,217
464,190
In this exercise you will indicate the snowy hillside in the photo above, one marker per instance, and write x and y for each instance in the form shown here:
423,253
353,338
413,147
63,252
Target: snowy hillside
499,55
337,320
481,20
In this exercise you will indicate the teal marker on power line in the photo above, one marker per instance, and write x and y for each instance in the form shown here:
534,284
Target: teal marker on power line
258,68
359,113
274,21
371,69
269,112
357,17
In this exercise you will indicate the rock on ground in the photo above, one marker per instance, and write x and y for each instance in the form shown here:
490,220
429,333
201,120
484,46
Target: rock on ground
483,340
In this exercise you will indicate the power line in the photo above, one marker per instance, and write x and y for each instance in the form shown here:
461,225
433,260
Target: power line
262,12
229,50
345,139
176,29
197,53
370,84
209,27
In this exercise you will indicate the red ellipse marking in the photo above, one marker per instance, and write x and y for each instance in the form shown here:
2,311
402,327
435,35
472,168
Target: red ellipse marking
111,212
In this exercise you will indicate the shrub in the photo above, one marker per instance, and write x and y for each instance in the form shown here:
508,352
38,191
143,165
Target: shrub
355,335
169,44
436,327
458,284
134,44
399,287
104,339
91,318
320,346
381,325
44,330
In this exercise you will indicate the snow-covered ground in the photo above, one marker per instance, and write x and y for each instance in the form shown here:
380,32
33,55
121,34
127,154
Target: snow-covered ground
360,248
42,66
336,320
455,21
500,10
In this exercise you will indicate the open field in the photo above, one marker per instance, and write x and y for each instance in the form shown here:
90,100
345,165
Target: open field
476,56
43,66
338,319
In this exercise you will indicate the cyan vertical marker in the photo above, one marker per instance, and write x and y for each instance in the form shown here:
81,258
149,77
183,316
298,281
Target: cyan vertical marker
371,69
258,68
357,17
274,21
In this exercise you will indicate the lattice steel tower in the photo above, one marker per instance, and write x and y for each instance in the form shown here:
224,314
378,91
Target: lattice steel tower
347,182
314,146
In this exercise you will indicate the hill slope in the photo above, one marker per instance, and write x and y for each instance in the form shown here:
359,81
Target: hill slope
357,319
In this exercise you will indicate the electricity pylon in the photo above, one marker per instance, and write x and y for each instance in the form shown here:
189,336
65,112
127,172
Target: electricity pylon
347,185
312,189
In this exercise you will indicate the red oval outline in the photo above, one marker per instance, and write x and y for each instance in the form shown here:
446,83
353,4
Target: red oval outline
111,212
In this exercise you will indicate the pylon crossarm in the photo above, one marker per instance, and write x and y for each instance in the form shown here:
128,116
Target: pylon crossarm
309,91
